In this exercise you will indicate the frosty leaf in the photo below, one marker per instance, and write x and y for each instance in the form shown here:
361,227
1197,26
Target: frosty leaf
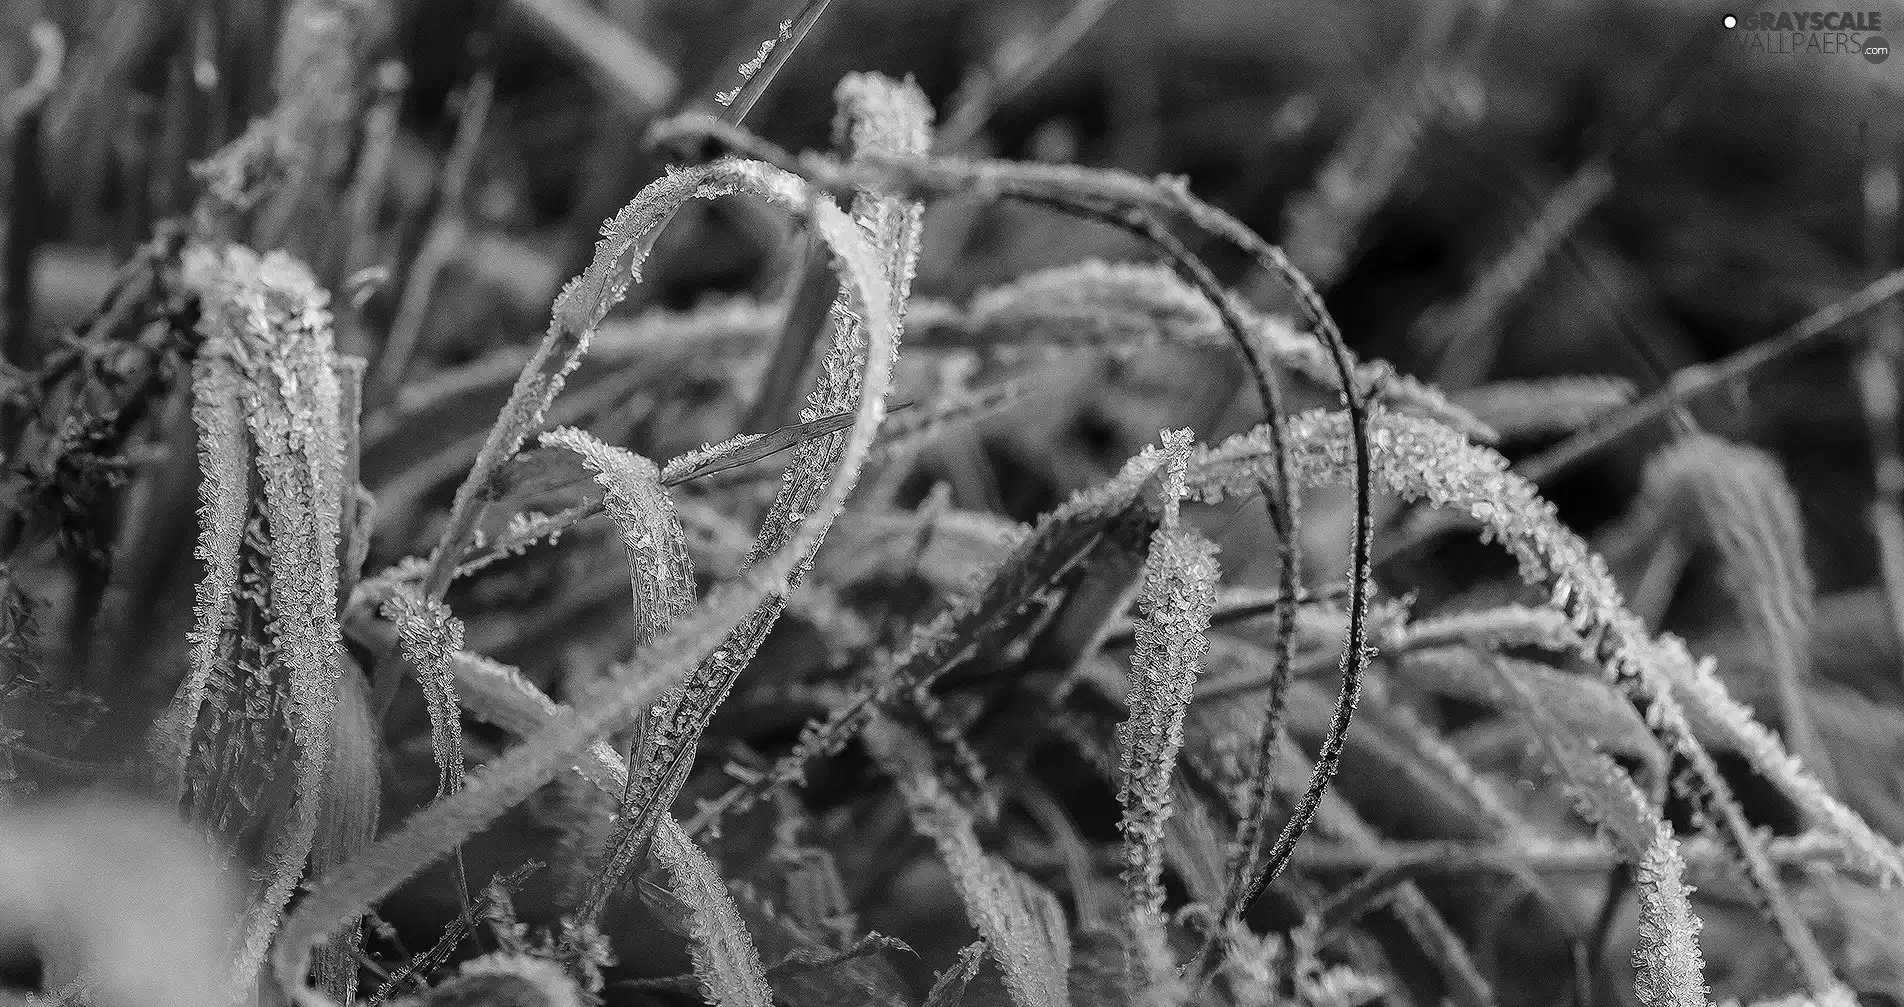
1021,921
509,779
724,957
430,637
663,580
1178,595
1736,500
1671,972
650,530
267,642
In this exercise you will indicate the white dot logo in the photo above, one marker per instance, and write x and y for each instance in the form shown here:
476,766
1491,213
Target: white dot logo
1730,21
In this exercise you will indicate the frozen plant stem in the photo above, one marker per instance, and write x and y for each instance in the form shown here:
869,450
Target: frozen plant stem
760,72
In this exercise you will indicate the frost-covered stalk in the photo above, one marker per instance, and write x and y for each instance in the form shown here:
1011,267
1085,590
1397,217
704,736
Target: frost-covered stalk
663,582
430,637
881,115
512,777
1174,604
1735,499
265,651
725,961
1671,972
1021,921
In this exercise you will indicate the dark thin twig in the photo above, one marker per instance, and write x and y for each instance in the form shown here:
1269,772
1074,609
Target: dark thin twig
418,969
800,330
1701,378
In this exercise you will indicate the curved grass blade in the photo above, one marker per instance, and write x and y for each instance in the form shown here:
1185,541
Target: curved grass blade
883,115
663,578
725,961
1021,921
1427,461
430,637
